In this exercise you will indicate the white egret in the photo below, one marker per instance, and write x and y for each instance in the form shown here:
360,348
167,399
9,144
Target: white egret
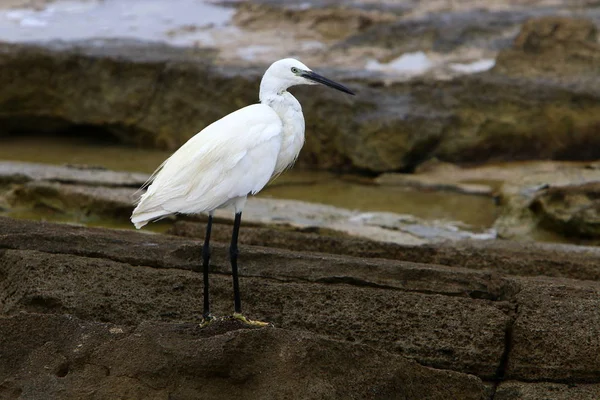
232,158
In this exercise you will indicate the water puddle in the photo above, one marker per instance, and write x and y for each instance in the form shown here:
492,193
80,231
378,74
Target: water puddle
438,65
80,150
476,211
318,187
178,22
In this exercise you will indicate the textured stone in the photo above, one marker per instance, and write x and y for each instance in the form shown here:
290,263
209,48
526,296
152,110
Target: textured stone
514,390
553,46
45,356
572,210
556,335
398,310
468,320
501,256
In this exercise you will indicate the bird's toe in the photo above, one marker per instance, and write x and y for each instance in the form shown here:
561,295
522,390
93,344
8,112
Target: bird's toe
242,318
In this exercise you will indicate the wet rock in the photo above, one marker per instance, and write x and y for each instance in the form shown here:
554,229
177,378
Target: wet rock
18,172
471,119
556,334
499,118
90,83
570,210
70,358
79,201
503,114
159,96
562,203
513,390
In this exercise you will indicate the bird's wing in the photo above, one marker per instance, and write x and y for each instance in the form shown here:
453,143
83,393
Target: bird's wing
232,157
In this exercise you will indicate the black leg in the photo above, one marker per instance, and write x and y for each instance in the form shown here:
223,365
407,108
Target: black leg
233,253
205,261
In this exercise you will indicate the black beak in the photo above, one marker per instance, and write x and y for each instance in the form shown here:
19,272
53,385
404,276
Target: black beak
321,79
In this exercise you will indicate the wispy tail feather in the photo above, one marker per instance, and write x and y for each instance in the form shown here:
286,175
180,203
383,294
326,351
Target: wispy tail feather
139,224
140,219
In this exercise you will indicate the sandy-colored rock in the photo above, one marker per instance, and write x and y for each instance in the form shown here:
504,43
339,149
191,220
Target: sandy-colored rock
553,46
86,84
502,118
562,203
556,334
332,23
68,358
514,390
572,210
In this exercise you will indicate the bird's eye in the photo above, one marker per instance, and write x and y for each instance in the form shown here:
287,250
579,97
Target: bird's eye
295,70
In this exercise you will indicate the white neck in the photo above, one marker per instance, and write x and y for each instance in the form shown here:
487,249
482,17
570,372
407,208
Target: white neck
290,112
269,88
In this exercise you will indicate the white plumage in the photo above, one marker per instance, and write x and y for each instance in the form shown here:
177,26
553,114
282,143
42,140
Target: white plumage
232,158
236,155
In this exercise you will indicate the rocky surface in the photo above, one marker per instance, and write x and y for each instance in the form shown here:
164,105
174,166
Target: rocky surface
115,313
22,172
441,32
527,258
572,210
70,358
512,390
553,47
542,345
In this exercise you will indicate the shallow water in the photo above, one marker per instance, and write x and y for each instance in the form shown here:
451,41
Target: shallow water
179,22
80,150
311,186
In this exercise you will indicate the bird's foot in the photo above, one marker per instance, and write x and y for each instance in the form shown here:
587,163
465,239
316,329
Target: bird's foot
207,320
247,321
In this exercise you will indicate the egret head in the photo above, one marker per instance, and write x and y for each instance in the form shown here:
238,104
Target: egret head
289,72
